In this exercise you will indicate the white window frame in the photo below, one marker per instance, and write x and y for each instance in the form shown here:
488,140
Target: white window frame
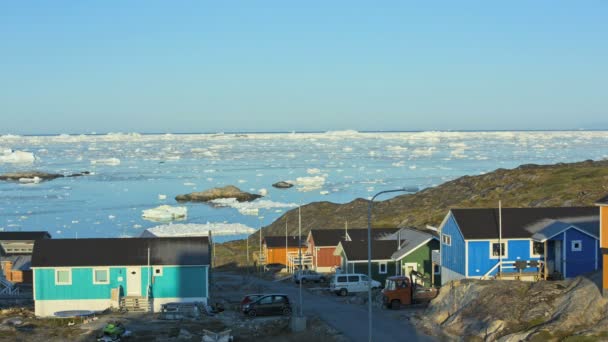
159,274
69,270
532,255
101,282
446,237
574,242
505,250
385,264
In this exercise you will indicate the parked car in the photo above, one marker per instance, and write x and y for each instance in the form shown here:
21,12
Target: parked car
271,304
250,298
275,267
308,275
343,284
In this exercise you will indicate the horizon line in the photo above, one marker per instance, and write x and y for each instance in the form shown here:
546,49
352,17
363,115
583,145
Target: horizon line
310,132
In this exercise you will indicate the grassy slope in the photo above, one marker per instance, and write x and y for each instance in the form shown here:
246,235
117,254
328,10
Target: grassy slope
574,184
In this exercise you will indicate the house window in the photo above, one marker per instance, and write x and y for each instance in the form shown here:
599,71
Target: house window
101,276
382,268
158,271
446,239
436,269
63,277
538,248
495,250
577,245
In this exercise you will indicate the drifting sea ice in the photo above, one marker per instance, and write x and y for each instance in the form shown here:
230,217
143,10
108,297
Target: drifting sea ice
108,162
197,229
310,183
16,157
165,213
251,208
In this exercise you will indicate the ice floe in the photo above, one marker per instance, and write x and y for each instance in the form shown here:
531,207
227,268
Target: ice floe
198,229
251,208
309,183
165,213
16,157
107,161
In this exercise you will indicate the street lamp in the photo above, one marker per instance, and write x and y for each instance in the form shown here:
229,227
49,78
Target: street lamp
369,251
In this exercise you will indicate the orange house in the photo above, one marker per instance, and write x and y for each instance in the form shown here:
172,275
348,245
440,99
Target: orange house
275,248
603,204
321,245
16,254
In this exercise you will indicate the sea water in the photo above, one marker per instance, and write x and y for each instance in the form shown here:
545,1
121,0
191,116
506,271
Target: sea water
134,172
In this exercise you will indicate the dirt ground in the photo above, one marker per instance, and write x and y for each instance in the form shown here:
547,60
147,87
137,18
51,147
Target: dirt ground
19,323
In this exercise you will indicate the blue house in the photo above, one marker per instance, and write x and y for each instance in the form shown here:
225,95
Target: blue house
548,242
96,274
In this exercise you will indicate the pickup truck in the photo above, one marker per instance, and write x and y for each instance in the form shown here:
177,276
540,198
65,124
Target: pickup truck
308,275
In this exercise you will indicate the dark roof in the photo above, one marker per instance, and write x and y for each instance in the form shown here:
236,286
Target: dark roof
357,250
121,252
603,200
24,235
483,223
327,237
279,241
377,233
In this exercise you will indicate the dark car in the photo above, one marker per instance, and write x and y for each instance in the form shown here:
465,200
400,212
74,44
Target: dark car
276,267
272,304
250,298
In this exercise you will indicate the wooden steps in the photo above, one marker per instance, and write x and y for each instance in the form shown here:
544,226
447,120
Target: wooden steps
135,304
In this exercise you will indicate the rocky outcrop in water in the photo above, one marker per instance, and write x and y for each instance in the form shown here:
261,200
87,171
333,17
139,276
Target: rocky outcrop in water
282,185
37,176
229,191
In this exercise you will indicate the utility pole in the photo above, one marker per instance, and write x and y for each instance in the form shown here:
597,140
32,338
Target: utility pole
300,252
286,247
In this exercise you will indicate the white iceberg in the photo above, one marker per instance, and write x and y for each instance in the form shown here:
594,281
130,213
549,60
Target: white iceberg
197,229
250,208
165,213
310,183
34,180
16,157
108,161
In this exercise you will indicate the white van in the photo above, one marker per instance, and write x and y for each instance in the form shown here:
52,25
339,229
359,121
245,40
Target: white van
344,283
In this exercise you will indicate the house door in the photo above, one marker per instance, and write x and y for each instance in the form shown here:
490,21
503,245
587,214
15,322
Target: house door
408,267
133,281
558,256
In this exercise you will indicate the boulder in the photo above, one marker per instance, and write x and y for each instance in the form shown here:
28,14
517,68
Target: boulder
282,185
229,191
513,310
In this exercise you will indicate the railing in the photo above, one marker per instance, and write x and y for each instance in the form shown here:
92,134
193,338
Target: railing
293,260
7,288
513,270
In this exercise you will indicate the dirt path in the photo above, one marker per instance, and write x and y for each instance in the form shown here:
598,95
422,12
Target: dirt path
350,319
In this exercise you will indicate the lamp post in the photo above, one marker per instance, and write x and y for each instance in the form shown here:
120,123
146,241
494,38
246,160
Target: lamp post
369,252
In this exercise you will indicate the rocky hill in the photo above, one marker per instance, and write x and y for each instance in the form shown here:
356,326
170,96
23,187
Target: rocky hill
510,311
573,184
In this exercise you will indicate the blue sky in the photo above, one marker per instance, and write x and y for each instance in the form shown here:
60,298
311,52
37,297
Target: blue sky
205,66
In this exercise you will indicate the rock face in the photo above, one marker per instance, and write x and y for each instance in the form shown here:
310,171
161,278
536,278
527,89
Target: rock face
282,185
516,311
573,184
218,193
37,175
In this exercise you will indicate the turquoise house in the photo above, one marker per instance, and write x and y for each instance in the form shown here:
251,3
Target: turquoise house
96,274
